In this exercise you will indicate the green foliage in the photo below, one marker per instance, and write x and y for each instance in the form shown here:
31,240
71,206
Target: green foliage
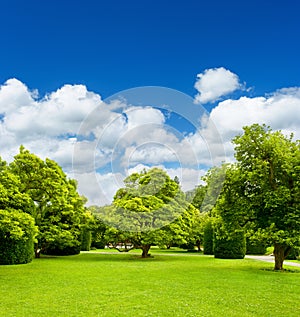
57,208
260,193
195,230
228,243
17,235
232,246
99,228
10,195
86,239
269,163
61,242
255,247
150,210
197,196
293,254
208,238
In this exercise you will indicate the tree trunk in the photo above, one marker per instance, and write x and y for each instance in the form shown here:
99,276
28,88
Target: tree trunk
145,249
198,245
37,253
281,251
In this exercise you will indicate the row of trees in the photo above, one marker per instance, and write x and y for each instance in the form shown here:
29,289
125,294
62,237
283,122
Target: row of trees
40,210
255,199
260,194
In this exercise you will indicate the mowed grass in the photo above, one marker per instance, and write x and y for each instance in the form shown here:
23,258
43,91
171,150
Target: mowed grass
100,284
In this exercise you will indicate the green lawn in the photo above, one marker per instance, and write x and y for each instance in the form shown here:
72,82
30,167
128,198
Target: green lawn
166,285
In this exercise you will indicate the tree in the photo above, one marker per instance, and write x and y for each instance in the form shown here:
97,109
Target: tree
261,192
228,243
197,196
98,227
10,195
150,210
17,229
58,209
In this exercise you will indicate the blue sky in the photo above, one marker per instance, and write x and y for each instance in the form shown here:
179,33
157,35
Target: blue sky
116,45
69,72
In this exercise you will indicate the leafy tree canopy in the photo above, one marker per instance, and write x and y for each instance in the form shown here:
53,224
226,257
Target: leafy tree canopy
261,192
58,209
150,209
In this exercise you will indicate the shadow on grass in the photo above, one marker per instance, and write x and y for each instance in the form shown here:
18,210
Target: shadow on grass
109,257
103,256
282,271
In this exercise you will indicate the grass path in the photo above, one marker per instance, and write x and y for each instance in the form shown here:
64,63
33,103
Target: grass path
126,285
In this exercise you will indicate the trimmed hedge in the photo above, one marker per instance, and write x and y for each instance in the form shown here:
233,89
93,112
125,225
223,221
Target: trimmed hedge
86,240
232,246
208,239
17,235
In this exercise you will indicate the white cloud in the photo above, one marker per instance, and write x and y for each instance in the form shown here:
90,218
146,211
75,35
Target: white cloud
99,143
280,111
14,95
214,83
99,188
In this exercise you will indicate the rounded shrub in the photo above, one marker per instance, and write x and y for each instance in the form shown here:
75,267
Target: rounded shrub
17,236
208,239
230,246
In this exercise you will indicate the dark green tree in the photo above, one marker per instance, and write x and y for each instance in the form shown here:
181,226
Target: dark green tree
208,238
261,192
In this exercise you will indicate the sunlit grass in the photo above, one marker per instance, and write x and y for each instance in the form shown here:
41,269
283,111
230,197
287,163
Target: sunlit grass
125,285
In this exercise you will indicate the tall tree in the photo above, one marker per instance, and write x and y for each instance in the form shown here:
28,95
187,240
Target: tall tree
58,209
150,210
265,187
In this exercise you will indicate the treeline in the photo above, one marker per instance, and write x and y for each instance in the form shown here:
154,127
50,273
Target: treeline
258,198
249,204
244,206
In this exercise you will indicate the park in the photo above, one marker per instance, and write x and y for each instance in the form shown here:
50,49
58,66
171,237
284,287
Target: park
169,283
180,254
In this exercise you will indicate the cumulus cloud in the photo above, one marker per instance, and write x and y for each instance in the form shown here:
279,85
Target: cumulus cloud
214,83
100,143
280,111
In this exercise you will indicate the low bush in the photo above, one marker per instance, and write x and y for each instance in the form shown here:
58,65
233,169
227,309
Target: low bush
17,235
